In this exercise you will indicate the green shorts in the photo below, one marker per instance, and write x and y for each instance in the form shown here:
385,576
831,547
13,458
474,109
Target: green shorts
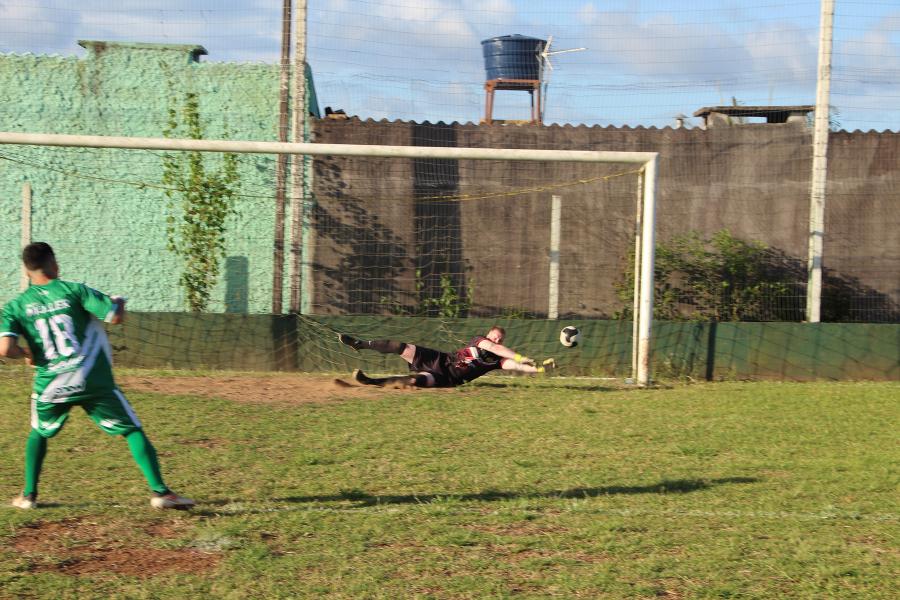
109,410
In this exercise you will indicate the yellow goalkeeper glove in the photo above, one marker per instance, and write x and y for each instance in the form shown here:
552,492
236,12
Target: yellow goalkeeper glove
523,360
547,365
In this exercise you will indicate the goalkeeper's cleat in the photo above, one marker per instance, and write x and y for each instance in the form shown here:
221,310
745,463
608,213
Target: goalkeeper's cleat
350,341
546,366
362,378
24,502
397,381
171,500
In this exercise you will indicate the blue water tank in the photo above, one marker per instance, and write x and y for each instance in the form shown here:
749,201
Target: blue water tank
512,57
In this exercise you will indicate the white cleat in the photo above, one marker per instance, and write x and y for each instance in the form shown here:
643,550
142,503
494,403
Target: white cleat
172,500
24,503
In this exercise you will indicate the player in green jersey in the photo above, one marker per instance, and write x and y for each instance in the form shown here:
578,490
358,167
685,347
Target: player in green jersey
68,347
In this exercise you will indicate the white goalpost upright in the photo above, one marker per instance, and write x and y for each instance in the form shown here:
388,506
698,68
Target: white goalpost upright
648,161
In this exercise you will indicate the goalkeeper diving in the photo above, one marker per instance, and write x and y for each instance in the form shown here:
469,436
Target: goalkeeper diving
433,368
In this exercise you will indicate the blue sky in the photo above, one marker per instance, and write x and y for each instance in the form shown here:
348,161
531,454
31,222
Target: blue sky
646,61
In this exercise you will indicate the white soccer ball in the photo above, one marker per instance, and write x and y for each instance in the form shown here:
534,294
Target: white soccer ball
569,336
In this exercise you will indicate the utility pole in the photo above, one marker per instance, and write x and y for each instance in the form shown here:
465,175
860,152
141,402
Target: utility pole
820,167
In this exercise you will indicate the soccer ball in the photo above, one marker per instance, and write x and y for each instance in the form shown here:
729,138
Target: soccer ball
569,336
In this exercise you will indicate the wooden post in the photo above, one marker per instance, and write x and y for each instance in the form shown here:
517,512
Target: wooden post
281,164
298,204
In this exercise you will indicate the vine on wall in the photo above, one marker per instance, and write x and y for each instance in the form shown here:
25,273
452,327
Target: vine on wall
200,199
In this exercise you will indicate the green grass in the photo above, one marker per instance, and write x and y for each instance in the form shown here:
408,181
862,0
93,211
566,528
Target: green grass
508,489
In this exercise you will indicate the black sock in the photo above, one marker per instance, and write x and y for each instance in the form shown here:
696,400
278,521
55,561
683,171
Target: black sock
401,379
385,346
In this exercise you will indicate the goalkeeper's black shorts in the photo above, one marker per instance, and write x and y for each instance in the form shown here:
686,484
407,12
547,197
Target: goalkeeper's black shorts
447,369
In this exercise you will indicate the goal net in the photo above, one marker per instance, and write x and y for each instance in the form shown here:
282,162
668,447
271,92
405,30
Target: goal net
425,244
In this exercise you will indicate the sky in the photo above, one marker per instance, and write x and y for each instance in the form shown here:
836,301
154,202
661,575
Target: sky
645,62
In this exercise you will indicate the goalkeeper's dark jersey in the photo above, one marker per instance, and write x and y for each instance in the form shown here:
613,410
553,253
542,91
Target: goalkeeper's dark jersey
456,368
472,362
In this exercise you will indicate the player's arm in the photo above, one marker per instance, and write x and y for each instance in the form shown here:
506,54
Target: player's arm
118,315
512,360
545,367
508,364
9,347
10,329
106,308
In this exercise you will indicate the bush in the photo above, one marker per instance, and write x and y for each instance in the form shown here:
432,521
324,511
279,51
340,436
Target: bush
721,278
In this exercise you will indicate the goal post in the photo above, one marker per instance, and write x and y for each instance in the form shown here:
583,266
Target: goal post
648,162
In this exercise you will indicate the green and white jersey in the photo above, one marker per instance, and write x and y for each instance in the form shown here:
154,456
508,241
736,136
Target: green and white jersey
59,321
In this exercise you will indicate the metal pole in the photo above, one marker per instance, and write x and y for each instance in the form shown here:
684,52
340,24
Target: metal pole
636,306
647,250
282,162
555,211
250,147
820,167
299,135
26,227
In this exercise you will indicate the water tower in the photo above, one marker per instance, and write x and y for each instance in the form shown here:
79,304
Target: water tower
513,62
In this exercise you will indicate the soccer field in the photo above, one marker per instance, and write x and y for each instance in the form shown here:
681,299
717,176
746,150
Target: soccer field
507,487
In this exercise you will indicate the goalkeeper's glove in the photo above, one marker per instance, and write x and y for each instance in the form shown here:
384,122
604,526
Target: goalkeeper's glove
523,360
547,365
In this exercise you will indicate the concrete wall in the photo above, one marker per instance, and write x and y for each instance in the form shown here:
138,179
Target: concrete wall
752,180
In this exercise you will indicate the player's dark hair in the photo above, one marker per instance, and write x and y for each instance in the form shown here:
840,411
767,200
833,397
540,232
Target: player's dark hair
498,329
38,255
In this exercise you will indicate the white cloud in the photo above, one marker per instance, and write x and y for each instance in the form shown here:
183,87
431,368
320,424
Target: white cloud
871,59
659,46
783,51
426,27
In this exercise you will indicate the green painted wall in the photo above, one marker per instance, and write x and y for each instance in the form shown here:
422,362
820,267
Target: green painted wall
107,228
699,351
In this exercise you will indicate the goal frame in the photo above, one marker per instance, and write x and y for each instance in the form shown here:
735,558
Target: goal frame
646,217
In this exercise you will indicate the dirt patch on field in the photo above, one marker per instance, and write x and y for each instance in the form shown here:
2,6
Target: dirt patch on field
277,388
527,528
205,443
82,546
